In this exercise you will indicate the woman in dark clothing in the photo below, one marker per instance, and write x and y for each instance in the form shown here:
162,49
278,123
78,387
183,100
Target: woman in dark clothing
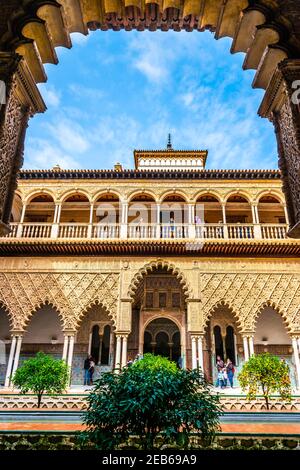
91,370
230,371
86,370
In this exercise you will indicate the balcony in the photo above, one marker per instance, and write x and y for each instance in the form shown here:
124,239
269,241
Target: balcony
148,231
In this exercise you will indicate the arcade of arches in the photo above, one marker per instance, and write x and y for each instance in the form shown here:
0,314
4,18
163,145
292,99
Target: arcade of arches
267,31
180,312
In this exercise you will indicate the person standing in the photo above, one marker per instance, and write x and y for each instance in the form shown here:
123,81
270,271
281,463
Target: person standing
230,371
172,230
220,367
91,371
86,367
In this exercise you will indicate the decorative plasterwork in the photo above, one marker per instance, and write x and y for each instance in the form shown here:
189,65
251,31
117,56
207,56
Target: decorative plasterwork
159,264
72,294
246,294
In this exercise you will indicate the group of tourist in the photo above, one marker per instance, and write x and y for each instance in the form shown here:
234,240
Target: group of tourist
225,373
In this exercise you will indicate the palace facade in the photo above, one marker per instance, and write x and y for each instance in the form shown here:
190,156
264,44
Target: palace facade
169,258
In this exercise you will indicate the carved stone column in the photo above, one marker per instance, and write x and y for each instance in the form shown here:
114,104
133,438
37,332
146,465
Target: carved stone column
22,100
281,105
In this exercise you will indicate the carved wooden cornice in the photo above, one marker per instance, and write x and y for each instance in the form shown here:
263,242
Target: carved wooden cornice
223,248
280,86
27,91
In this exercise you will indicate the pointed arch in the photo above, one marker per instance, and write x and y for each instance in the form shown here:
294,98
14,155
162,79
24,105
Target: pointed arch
92,303
221,304
162,264
276,308
39,306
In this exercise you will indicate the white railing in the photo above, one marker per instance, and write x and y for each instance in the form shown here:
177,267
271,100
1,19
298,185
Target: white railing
14,229
73,230
174,231
210,231
274,231
149,231
142,231
32,230
105,231
240,231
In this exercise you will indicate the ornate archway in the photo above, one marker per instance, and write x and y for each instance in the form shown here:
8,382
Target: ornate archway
268,32
159,292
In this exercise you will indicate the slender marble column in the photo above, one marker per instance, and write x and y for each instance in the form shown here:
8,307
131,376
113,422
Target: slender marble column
10,361
158,220
194,353
124,351
17,354
71,350
200,352
90,343
246,350
118,352
251,345
65,349
297,361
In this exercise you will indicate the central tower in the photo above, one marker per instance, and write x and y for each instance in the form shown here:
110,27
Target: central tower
170,159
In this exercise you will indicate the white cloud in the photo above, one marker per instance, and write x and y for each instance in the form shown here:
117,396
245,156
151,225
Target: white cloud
81,91
44,154
51,96
70,135
79,39
152,57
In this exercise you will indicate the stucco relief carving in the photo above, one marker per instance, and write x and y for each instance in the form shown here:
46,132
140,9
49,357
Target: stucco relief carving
10,130
247,294
72,294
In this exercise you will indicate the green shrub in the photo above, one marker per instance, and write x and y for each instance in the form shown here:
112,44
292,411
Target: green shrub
150,398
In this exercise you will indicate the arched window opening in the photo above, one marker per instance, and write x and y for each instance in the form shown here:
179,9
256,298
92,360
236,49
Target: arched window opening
75,209
208,210
176,348
271,211
238,210
162,347
40,209
148,346
104,360
95,347
219,351
230,344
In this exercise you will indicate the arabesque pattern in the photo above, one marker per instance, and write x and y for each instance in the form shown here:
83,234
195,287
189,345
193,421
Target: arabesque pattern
70,293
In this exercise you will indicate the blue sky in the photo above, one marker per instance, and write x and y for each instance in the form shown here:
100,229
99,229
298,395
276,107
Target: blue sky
114,92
